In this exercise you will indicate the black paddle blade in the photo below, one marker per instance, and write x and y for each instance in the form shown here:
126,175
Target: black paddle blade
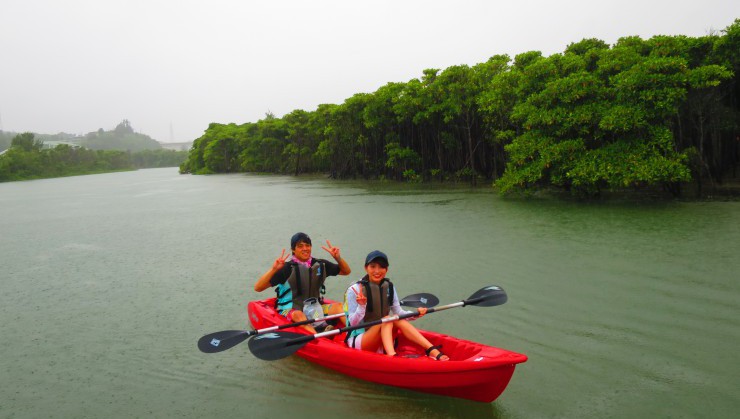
489,296
420,300
277,345
221,341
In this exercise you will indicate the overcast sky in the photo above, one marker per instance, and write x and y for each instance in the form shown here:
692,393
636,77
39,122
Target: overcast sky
171,67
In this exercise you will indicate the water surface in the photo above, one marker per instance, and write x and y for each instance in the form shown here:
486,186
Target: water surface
625,310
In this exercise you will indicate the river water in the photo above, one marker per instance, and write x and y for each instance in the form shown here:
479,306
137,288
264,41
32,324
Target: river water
624,309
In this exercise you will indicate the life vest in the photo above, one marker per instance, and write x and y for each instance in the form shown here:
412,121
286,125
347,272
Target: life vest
379,298
303,283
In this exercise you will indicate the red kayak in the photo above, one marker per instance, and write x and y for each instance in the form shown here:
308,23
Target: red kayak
475,371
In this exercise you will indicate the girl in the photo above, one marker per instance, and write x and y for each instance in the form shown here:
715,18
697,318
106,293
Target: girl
374,297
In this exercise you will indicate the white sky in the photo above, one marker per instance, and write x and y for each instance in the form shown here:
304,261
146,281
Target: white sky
78,65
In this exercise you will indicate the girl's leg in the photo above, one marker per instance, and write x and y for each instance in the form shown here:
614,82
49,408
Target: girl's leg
410,332
386,336
371,339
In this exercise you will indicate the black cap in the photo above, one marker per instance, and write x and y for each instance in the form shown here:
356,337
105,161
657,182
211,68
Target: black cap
376,254
299,237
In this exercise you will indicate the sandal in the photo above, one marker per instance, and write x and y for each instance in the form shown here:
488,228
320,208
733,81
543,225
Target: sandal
440,354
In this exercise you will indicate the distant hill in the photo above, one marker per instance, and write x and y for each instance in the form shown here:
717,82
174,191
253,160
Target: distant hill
122,137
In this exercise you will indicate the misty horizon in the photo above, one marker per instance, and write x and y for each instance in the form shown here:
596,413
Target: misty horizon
172,68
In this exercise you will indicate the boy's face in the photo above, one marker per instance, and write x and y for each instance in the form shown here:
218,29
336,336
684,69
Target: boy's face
375,271
302,251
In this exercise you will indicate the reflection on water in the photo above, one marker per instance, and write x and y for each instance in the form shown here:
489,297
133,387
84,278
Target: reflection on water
625,309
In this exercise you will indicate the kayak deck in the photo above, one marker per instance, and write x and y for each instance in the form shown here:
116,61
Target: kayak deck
475,371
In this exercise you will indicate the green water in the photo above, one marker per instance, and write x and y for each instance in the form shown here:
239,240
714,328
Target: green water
625,310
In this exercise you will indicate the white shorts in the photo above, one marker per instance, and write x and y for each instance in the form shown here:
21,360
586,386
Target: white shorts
355,342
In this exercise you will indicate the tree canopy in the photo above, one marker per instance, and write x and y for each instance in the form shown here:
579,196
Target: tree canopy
639,113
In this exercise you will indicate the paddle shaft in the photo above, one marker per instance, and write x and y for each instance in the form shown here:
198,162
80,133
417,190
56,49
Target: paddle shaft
226,339
389,319
334,316
345,329
285,326
411,297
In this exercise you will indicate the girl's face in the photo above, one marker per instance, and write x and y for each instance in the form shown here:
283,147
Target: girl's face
375,271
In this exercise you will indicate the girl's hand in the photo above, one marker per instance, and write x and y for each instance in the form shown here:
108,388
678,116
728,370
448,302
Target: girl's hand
422,311
361,299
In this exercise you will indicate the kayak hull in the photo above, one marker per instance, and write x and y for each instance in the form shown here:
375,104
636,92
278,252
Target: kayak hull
475,371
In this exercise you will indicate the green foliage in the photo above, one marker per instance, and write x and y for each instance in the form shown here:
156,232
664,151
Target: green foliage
465,174
586,46
411,176
27,159
158,158
26,142
594,117
401,160
629,164
608,126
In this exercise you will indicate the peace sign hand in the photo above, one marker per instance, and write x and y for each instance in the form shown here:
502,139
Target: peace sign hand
361,299
333,251
280,262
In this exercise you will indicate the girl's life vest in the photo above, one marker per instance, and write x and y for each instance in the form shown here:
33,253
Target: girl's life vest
303,283
379,298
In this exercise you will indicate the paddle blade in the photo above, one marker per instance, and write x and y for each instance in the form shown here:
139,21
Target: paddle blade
489,296
221,341
420,300
277,345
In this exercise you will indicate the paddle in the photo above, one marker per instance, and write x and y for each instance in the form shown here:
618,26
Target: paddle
278,345
227,339
420,300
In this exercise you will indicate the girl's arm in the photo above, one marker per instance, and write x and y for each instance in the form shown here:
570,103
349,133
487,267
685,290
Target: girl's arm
355,311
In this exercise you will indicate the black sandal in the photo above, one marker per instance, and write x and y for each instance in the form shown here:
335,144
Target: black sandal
439,355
